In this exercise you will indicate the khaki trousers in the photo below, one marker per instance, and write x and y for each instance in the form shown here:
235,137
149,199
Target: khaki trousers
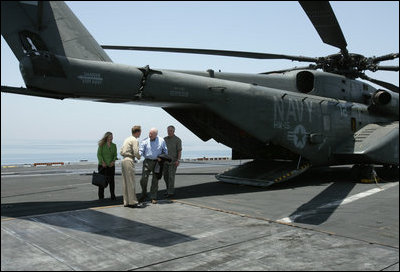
128,181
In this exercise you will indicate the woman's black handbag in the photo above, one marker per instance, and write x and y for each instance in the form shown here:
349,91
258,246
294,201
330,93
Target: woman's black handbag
99,180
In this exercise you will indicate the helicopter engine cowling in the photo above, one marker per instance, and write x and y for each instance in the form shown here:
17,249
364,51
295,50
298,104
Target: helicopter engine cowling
385,102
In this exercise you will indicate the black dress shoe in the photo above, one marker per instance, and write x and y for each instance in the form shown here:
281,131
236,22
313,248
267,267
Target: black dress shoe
142,199
136,206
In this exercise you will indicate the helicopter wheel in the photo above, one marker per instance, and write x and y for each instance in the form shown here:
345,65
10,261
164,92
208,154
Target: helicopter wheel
363,173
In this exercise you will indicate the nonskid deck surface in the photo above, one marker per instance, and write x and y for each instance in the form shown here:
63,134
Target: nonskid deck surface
320,221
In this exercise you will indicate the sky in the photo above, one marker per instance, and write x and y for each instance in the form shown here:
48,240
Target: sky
371,28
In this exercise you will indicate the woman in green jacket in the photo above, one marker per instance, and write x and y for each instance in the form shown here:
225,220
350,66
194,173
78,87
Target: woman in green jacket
107,155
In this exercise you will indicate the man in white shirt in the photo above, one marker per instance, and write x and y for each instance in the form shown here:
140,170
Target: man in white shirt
150,149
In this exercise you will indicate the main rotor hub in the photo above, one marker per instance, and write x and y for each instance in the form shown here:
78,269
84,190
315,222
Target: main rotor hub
350,65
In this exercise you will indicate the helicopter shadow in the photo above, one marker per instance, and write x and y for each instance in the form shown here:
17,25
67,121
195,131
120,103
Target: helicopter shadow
314,177
101,223
309,212
339,189
319,209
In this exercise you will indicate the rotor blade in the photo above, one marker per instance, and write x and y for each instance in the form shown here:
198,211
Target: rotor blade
313,67
240,54
385,57
388,68
387,85
324,20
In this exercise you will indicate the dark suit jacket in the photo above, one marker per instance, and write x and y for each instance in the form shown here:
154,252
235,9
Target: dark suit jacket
158,169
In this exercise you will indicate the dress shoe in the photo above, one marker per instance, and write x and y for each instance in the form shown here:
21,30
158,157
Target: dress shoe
134,206
142,198
153,201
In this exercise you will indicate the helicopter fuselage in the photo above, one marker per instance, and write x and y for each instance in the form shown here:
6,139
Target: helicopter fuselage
304,113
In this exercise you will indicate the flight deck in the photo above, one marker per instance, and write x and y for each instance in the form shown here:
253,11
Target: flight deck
321,220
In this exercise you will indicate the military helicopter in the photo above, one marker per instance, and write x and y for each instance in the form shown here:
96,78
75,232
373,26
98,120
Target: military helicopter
286,121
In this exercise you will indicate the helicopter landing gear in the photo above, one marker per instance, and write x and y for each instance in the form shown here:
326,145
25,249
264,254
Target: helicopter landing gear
364,173
370,174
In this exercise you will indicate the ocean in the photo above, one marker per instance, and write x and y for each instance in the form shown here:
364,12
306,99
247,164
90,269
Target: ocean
39,151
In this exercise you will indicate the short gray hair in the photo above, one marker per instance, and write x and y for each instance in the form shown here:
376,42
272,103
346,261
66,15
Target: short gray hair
154,130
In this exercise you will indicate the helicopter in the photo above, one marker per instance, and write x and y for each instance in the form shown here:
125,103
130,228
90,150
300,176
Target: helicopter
284,121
